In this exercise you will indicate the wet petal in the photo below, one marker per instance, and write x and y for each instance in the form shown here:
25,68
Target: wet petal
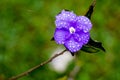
66,16
83,23
77,37
62,24
73,45
60,36
82,37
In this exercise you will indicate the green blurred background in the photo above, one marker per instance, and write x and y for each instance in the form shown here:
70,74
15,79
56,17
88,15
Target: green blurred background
26,27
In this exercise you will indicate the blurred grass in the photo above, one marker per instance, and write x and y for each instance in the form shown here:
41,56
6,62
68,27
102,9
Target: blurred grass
26,27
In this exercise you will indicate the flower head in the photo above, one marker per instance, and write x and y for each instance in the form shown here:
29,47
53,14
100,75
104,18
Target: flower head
71,30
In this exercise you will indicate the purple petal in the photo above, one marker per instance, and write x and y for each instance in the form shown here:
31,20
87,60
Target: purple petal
85,38
82,37
60,36
62,24
83,23
73,45
66,16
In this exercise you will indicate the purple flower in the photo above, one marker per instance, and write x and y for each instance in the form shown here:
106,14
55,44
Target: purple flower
72,30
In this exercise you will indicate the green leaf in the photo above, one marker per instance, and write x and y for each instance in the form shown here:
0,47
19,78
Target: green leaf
93,46
89,49
90,11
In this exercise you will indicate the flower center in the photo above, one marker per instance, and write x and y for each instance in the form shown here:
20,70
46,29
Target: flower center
72,30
